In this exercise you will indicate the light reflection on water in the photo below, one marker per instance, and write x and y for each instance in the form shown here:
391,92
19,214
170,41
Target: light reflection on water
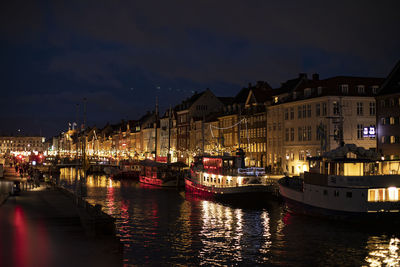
167,227
383,252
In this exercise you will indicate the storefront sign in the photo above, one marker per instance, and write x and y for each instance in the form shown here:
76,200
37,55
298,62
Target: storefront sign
369,131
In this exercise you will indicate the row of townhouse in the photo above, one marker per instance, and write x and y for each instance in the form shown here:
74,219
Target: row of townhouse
316,116
277,128
21,144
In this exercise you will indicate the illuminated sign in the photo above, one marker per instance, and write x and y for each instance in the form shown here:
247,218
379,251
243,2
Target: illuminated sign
369,131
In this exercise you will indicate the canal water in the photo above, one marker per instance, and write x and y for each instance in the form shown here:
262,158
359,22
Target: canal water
164,227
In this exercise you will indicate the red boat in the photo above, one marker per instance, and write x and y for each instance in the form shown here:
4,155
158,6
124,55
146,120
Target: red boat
162,174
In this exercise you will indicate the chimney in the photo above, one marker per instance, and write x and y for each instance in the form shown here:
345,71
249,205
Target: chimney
315,77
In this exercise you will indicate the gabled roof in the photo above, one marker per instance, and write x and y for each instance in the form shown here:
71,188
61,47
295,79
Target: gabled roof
186,104
166,113
332,87
146,120
241,97
262,93
392,82
290,85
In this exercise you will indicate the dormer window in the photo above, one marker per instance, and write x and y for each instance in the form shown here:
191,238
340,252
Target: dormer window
319,90
345,89
276,99
307,92
360,89
375,89
294,95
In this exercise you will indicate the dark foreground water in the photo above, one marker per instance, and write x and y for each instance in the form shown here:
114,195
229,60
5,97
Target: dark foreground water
167,227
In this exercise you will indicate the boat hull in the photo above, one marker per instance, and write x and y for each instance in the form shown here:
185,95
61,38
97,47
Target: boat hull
295,205
158,182
241,193
131,175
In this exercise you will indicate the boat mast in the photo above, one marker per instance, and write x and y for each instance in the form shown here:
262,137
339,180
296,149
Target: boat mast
155,130
239,129
169,135
77,134
341,138
202,131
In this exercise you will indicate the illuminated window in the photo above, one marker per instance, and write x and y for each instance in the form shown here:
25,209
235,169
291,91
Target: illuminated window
301,155
383,194
393,194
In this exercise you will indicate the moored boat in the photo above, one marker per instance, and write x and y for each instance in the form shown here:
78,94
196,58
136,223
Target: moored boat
226,177
348,183
161,174
127,169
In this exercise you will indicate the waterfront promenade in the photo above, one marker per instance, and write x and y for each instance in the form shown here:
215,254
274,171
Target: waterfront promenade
42,227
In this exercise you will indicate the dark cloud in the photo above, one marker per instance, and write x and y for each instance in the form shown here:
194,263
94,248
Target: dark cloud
20,21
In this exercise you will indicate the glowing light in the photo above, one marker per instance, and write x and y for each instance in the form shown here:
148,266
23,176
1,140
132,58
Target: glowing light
393,194
304,168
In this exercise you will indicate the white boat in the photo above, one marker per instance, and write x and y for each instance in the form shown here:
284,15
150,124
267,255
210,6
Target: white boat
348,183
226,177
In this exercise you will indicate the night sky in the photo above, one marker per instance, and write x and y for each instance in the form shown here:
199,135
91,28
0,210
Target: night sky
120,55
